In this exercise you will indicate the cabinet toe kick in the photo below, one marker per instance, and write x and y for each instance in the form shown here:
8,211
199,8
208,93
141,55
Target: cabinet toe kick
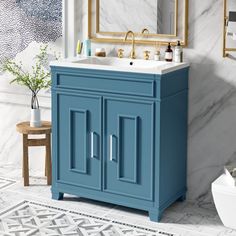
155,215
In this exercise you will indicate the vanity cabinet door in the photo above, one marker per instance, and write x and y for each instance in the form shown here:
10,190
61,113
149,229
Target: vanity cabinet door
128,148
79,138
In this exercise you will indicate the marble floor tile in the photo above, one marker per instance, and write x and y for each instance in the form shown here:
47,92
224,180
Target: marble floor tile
181,219
4,183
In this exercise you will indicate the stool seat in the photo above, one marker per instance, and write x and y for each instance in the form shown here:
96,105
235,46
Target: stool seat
46,129
24,128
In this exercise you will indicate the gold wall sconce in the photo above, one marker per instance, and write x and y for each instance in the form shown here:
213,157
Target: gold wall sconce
229,28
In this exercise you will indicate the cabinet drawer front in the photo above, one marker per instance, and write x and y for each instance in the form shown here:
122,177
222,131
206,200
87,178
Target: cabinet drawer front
128,148
79,138
118,85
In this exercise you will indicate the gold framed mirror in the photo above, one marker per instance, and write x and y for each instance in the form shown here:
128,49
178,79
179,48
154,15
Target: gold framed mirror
229,29
166,21
162,24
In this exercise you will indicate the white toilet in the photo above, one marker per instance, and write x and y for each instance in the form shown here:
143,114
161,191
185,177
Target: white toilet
224,196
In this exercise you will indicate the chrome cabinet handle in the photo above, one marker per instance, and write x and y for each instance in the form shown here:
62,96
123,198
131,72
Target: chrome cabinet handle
92,145
112,154
111,147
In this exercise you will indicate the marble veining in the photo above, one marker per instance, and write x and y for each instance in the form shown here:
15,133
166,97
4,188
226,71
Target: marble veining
212,99
157,16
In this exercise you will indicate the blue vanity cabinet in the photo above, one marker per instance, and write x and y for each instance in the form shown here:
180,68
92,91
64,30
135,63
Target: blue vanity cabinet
128,147
79,133
120,137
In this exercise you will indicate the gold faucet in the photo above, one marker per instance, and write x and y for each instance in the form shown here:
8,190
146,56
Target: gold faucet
145,30
132,54
146,53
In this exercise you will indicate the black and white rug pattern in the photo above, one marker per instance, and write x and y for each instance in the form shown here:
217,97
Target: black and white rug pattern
34,218
5,183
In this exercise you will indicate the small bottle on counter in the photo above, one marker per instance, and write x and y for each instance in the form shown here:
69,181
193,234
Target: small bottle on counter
178,53
79,48
157,55
100,52
169,54
87,47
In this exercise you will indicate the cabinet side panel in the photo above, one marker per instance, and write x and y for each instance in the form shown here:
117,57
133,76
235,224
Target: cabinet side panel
173,148
174,82
54,116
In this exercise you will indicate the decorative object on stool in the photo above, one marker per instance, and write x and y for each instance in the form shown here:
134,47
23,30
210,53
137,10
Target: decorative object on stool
35,118
25,129
35,81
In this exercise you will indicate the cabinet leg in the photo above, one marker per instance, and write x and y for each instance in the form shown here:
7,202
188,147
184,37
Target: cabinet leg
25,160
57,195
48,160
182,198
155,215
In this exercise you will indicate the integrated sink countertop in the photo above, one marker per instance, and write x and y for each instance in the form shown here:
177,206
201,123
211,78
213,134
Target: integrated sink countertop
122,65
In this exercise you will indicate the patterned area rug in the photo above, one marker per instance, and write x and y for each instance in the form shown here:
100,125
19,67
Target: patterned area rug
4,183
33,218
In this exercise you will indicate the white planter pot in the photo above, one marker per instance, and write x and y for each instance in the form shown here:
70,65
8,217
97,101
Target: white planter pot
35,120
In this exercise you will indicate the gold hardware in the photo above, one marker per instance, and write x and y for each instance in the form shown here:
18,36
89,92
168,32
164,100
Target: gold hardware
145,31
146,55
113,37
225,19
132,54
120,53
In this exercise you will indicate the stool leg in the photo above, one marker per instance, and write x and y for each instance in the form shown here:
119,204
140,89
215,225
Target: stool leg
25,160
46,162
48,159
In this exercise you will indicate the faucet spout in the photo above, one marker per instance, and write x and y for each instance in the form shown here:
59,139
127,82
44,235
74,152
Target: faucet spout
145,30
132,54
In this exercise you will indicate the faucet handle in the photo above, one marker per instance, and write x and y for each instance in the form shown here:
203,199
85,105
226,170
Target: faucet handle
120,53
146,55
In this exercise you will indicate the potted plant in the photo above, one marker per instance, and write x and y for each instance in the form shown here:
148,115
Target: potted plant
35,80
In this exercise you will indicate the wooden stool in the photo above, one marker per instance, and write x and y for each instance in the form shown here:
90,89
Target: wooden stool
25,129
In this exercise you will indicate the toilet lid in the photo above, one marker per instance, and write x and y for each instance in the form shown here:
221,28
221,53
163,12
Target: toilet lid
224,185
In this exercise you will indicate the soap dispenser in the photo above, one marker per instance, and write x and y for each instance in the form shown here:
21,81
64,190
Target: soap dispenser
178,53
169,53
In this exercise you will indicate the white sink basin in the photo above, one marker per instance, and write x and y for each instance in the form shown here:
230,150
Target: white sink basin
122,65
124,62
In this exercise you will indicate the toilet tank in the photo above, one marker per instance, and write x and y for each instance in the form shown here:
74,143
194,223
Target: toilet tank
224,195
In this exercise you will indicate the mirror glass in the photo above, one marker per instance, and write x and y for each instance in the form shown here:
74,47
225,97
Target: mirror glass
118,16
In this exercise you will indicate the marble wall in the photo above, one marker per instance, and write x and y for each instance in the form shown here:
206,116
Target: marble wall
159,20
212,101
24,26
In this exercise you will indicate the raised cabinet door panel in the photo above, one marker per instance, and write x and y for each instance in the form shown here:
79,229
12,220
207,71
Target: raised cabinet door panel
128,148
79,140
